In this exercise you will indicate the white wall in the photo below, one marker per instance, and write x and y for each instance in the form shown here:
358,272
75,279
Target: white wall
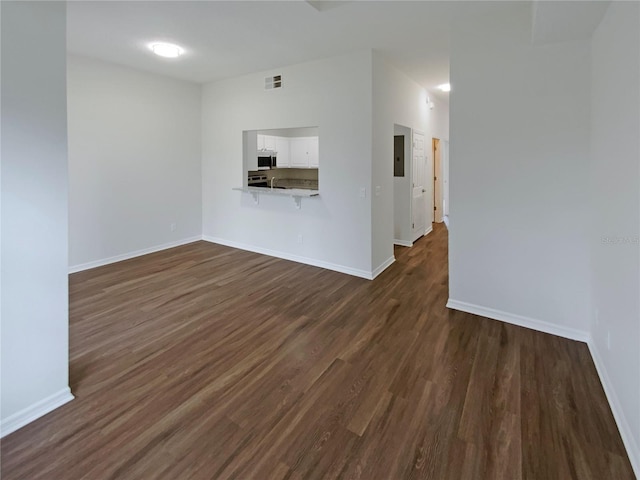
34,212
445,178
396,100
439,118
519,151
332,94
615,188
134,161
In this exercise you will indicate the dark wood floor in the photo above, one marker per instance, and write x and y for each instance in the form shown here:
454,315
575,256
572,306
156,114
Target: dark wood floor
207,362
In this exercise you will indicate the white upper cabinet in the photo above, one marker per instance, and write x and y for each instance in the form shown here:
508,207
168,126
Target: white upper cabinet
304,152
266,142
314,153
299,152
282,152
295,152
269,142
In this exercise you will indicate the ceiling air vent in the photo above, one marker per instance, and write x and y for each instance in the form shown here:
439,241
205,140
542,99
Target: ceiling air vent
273,82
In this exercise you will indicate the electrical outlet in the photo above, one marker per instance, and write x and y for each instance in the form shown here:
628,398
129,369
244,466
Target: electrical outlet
363,192
378,190
173,227
608,340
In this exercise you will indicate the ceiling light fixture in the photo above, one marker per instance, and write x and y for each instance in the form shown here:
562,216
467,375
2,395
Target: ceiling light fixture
445,87
167,50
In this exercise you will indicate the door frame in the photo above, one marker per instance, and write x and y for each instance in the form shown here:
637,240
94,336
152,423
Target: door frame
427,223
438,186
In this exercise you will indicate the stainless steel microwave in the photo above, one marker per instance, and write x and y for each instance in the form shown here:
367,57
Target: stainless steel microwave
266,160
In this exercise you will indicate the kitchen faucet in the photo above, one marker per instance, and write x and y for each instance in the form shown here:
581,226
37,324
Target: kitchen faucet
273,179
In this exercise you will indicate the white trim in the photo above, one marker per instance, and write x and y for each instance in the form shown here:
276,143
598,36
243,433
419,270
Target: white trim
127,256
445,219
633,452
382,267
540,325
426,232
294,258
35,411
402,243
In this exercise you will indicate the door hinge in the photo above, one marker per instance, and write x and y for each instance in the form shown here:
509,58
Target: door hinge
413,225
435,208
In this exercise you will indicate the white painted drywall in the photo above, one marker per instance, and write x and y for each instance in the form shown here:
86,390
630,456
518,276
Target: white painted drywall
439,118
519,154
335,96
615,223
396,100
134,160
35,354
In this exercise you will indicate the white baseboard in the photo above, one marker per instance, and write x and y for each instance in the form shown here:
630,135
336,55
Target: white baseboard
426,232
127,256
623,426
381,268
294,258
406,243
540,325
402,243
35,411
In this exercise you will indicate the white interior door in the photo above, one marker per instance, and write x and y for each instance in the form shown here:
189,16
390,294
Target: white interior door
437,181
418,205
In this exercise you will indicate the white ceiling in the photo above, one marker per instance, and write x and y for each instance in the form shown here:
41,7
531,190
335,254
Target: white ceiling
227,39
569,20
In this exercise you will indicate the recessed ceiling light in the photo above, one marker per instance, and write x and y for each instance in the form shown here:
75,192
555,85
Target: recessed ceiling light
167,50
445,87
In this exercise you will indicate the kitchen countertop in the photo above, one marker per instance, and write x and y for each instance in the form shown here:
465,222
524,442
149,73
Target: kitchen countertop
286,192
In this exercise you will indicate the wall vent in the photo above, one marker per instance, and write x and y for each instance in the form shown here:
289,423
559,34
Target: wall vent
273,82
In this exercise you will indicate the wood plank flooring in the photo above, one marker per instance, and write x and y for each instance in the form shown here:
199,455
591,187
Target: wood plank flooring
205,362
